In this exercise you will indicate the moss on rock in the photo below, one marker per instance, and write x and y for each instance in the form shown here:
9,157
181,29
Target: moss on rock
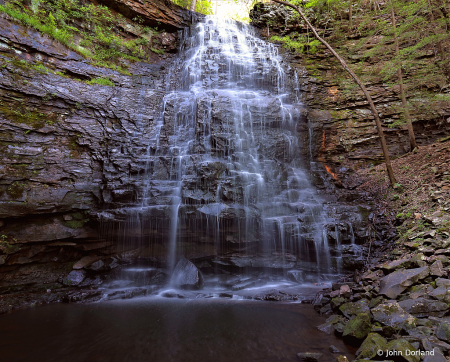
357,328
373,343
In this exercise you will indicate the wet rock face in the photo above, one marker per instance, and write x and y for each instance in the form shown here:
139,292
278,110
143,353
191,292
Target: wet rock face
67,149
226,173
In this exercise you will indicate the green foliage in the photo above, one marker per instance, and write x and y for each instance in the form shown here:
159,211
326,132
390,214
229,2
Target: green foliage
101,81
202,6
6,246
101,41
157,51
298,43
335,4
40,68
420,32
423,36
77,220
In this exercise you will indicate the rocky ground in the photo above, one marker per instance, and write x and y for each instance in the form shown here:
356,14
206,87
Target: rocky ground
400,300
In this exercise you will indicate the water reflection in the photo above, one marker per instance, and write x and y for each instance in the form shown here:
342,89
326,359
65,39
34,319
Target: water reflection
164,330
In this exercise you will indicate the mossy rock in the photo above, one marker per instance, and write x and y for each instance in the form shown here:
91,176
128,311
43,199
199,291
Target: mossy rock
403,349
75,220
375,301
357,328
443,332
391,314
373,343
418,258
339,328
337,302
351,309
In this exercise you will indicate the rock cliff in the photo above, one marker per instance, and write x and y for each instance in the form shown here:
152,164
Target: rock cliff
344,133
70,147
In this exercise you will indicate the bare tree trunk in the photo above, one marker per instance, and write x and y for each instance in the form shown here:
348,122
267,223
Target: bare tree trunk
412,138
193,5
361,85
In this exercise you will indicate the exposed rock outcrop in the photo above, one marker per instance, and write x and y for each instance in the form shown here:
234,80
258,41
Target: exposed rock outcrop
161,14
69,149
341,121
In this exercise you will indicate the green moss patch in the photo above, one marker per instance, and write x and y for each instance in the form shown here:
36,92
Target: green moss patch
103,40
75,220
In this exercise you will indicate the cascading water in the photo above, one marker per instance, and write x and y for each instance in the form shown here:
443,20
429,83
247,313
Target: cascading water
226,181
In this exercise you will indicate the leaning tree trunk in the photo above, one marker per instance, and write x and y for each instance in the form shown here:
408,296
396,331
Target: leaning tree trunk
193,5
361,85
412,137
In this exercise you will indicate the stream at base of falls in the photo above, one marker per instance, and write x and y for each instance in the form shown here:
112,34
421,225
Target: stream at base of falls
162,330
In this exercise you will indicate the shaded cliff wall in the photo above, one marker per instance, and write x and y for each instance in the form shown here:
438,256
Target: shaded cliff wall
339,116
70,147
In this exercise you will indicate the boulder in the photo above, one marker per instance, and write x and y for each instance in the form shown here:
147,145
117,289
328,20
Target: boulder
441,293
443,331
345,291
396,264
334,349
74,278
357,328
391,314
373,343
337,286
429,343
419,260
370,275
394,284
403,350
436,356
330,324
186,275
351,309
375,301
337,302
437,269
335,293
420,332
422,307
443,283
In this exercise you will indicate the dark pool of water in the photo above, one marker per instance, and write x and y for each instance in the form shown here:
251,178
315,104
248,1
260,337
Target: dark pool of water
157,329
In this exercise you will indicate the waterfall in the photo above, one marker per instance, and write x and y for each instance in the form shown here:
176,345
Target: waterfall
227,178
